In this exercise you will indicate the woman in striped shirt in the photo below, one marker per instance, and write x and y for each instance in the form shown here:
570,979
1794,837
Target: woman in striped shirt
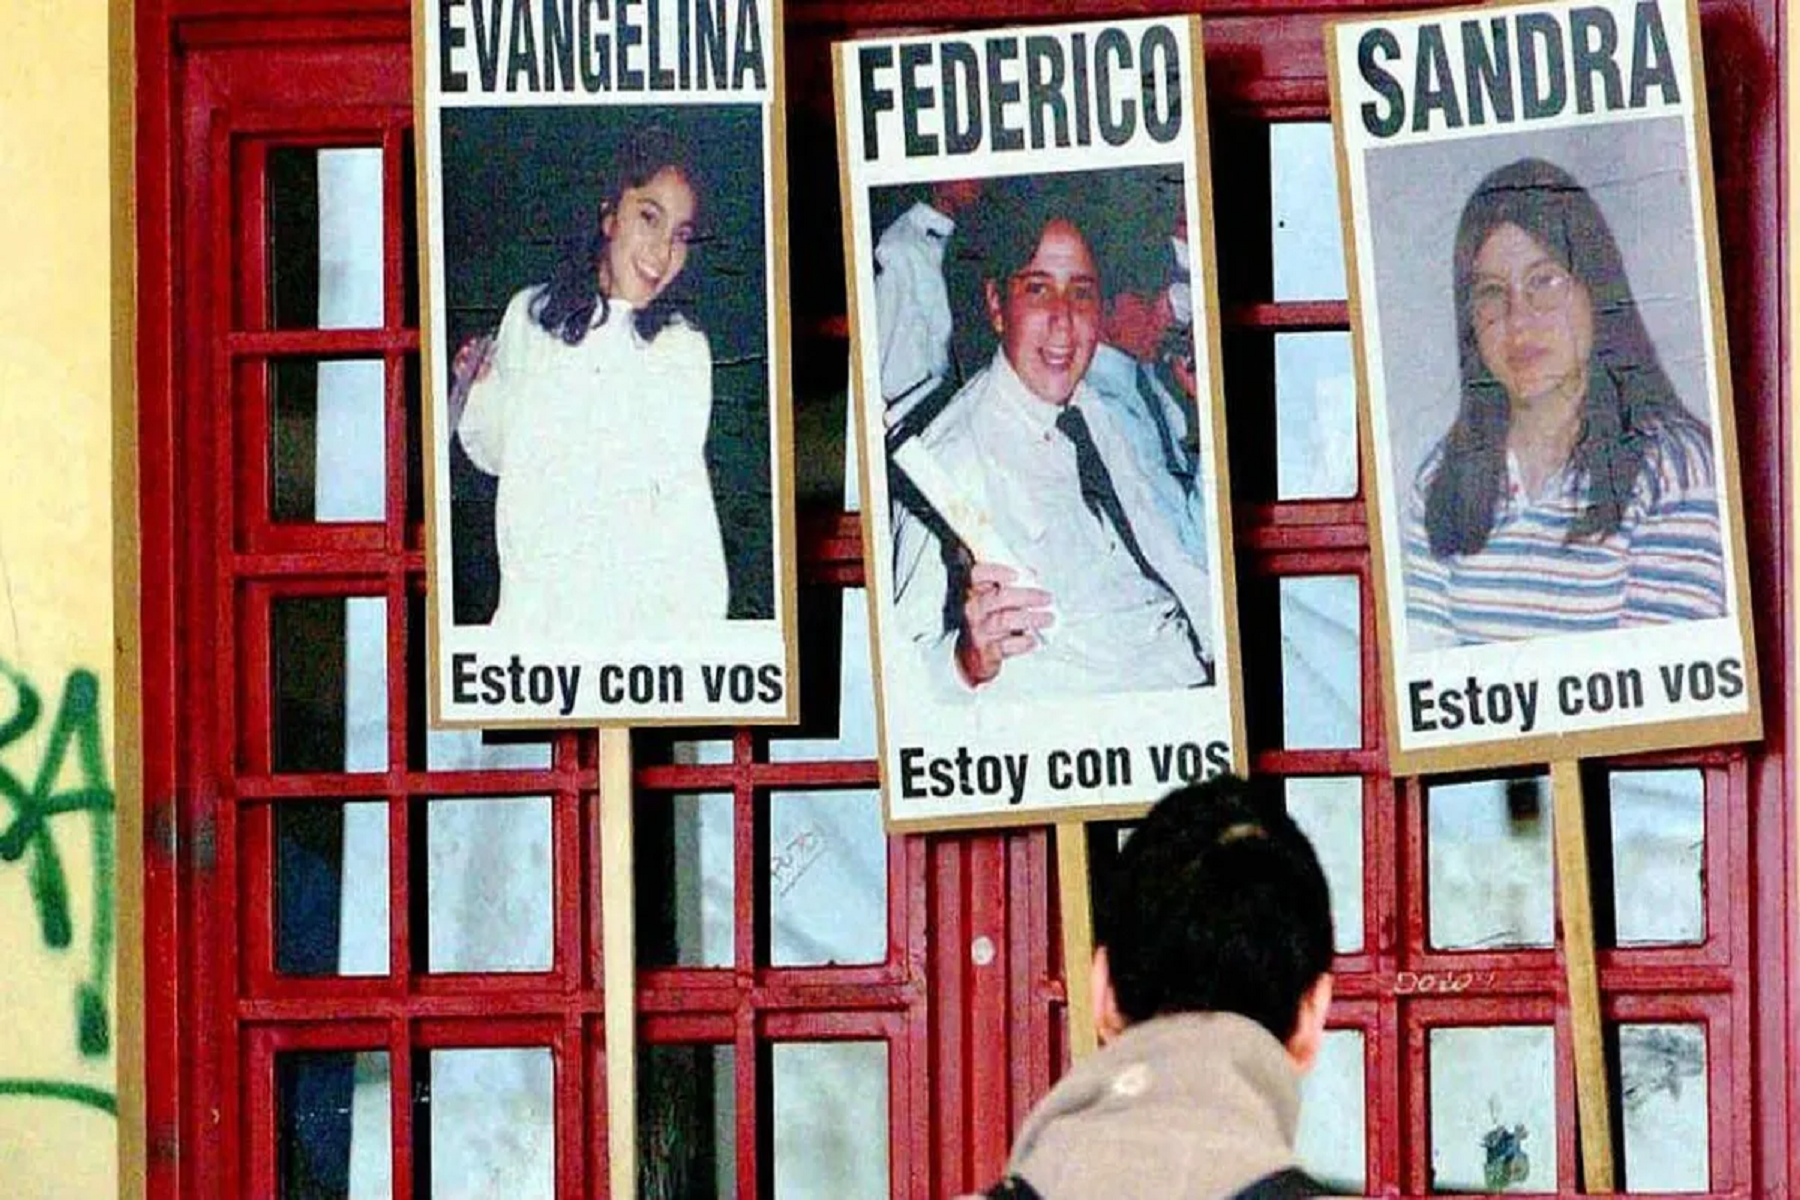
1574,492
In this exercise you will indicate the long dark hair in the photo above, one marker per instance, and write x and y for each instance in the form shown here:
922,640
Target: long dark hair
1629,397
567,304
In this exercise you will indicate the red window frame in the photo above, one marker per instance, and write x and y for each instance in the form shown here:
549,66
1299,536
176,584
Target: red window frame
970,1049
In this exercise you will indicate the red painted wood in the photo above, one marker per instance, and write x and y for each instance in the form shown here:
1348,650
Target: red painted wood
970,1048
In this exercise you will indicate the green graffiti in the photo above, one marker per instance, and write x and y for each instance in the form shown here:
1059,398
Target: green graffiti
30,837
56,1089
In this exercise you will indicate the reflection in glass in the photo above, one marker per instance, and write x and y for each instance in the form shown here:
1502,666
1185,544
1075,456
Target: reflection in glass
687,1122
329,667
1493,1109
1332,1146
1321,661
829,1096
327,440
488,1116
1315,416
325,236
827,878
316,931
321,1151
856,696
1306,229
1329,811
685,880
1664,1099
487,885
1658,856
1488,864
479,750
460,749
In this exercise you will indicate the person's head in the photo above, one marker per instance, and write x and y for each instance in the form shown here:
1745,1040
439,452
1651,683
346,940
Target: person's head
1544,317
951,196
633,246
646,231
1044,304
1216,904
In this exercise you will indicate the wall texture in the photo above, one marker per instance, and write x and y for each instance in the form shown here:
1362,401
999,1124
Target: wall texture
58,1009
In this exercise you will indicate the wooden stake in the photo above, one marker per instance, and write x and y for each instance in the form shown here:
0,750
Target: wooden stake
1077,934
1575,891
618,935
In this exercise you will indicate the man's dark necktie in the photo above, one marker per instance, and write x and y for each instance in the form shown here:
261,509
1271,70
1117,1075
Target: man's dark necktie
1102,499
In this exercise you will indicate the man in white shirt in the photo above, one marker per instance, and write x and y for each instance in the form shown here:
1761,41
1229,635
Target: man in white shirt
1102,592
913,316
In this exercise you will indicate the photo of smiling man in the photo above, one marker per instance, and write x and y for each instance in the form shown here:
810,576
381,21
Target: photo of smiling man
1084,576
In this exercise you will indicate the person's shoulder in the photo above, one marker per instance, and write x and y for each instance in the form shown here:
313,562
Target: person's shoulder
1678,455
954,423
1429,466
914,226
681,338
517,314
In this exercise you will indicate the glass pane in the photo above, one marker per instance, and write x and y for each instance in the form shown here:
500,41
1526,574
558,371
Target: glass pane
824,424
1329,812
325,259
679,747
856,696
1493,1109
317,1153
1321,661
1659,856
327,440
409,231
488,895
1315,416
1333,1140
1664,1097
331,888
371,1129
1488,864
686,890
460,749
486,750
1308,236
831,1119
827,878
415,449
487,1117
687,1122
329,663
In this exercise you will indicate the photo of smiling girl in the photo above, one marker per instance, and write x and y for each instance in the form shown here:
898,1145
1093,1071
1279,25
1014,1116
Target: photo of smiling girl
590,405
606,413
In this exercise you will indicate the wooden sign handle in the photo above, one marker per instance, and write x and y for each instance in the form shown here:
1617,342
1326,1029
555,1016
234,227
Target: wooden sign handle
1574,889
618,971
1076,904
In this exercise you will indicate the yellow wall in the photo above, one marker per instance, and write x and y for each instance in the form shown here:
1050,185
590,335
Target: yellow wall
58,1028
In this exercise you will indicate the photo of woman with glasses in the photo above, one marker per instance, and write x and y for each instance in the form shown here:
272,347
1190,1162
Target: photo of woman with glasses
1574,492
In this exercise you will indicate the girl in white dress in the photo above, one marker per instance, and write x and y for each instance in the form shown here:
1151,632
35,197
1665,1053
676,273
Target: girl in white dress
591,405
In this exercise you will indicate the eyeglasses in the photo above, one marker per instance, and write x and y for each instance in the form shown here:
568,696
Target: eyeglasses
1546,290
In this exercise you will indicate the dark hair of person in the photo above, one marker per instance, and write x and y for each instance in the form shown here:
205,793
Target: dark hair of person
1629,397
570,303
1009,221
1216,903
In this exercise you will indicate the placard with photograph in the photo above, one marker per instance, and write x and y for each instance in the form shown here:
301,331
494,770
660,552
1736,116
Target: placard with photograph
1548,450
1045,496
603,259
